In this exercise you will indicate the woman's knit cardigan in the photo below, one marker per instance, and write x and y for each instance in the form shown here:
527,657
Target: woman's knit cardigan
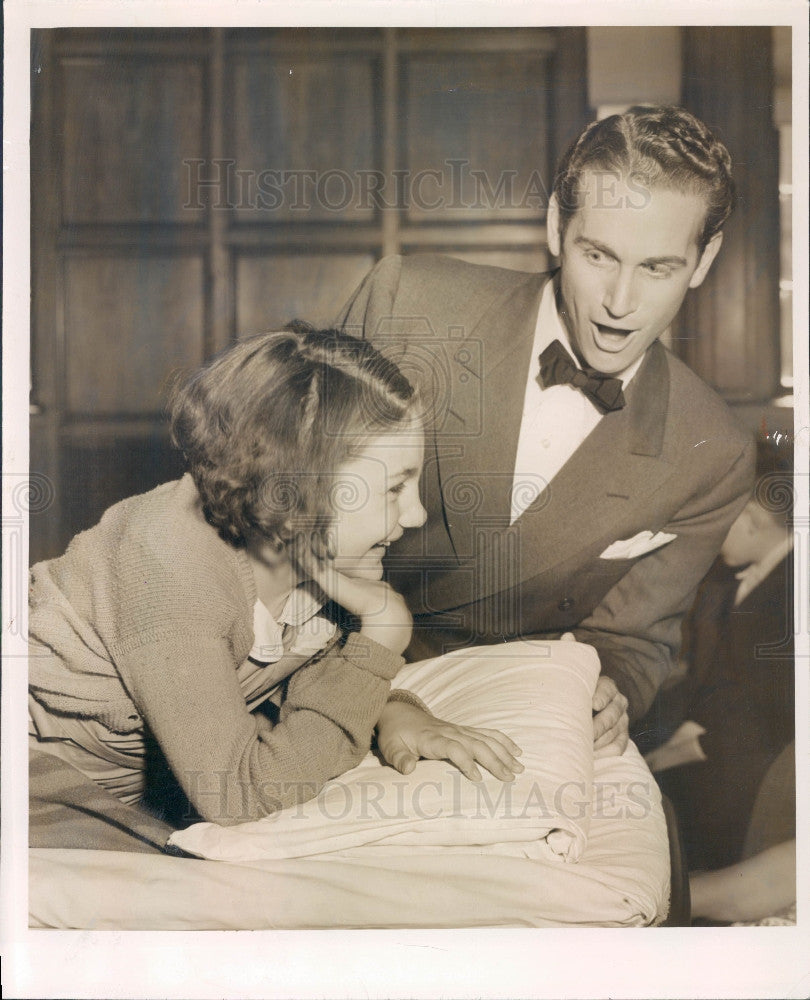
143,622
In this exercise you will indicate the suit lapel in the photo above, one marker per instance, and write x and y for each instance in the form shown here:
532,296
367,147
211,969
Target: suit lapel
608,477
476,447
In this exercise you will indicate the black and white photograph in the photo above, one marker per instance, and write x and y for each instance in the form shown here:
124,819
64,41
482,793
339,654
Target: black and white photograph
405,490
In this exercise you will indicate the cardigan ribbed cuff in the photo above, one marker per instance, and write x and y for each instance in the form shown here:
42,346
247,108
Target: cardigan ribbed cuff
370,655
401,694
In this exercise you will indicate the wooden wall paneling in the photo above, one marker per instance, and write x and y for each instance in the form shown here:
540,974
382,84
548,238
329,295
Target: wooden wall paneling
273,289
449,42
45,273
128,124
44,533
568,70
115,42
130,321
138,271
389,139
217,293
250,237
488,112
303,41
728,331
304,138
102,472
135,298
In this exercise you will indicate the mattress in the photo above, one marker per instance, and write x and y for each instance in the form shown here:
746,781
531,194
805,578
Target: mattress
575,840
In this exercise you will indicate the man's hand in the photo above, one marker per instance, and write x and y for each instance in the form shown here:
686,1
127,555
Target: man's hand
405,734
611,725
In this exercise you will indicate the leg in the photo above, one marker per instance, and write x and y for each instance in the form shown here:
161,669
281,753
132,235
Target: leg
67,809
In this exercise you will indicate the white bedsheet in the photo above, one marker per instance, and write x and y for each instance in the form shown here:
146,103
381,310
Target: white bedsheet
538,693
579,842
107,890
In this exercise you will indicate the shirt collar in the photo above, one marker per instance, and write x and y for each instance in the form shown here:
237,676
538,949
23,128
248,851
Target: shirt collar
302,606
550,327
303,602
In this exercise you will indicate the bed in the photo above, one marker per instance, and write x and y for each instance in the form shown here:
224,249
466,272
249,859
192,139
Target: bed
573,841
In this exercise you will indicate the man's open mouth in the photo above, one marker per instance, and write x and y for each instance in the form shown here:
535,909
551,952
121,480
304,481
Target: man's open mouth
612,337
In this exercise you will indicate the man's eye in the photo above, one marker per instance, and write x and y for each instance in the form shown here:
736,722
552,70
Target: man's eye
595,257
396,490
659,270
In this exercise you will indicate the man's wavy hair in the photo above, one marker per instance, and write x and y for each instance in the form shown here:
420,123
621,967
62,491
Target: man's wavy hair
661,146
266,424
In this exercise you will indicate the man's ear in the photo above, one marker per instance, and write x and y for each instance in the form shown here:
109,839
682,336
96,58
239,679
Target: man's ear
710,251
553,226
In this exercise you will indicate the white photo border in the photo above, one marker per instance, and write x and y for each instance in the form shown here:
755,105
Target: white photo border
699,962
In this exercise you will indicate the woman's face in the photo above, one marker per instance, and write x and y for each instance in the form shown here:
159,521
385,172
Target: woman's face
375,497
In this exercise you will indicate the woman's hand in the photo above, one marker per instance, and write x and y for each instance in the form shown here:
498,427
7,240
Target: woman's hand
405,733
383,614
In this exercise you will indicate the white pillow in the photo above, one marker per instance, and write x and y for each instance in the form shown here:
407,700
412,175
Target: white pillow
538,693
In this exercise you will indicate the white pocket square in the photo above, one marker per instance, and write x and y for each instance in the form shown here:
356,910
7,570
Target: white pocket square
638,545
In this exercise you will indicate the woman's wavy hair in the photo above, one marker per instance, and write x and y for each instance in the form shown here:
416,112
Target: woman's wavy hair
266,423
662,146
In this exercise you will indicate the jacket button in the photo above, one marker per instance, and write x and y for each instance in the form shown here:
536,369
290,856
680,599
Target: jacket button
566,604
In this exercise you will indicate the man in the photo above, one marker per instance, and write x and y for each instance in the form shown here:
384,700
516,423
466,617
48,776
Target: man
592,506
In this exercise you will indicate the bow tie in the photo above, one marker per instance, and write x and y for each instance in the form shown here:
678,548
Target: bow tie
557,368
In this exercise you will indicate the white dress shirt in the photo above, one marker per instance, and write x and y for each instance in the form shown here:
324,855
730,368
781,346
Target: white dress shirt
280,646
556,420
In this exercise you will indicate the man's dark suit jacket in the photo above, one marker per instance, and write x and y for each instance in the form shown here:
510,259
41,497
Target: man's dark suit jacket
671,460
